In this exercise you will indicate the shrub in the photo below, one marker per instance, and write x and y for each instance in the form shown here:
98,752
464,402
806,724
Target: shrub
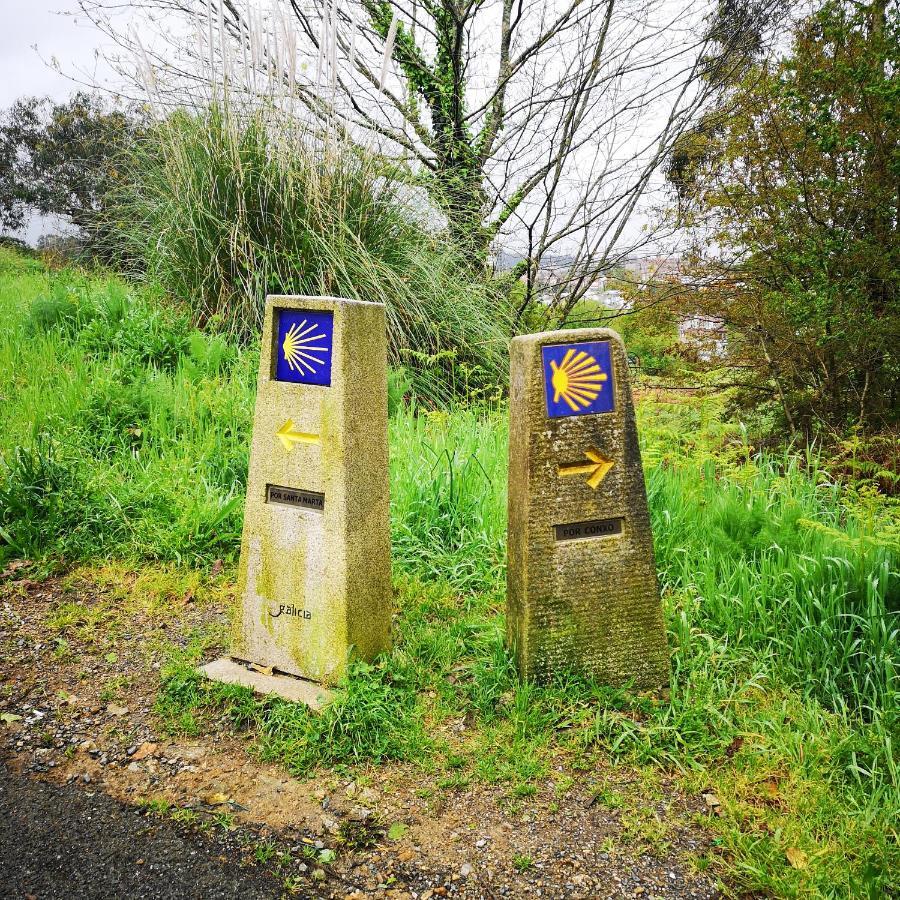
222,209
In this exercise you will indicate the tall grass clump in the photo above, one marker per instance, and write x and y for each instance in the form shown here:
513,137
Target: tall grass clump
123,429
448,495
221,207
775,563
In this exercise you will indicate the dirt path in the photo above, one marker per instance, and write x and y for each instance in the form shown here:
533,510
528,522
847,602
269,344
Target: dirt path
78,715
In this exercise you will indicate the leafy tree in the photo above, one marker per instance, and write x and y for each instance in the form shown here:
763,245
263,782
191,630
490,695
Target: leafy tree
793,188
60,158
539,124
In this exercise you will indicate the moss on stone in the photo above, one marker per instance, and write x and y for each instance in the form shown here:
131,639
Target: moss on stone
587,606
314,585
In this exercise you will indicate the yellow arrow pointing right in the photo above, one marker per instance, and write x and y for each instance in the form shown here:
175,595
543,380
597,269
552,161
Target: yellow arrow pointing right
596,468
289,437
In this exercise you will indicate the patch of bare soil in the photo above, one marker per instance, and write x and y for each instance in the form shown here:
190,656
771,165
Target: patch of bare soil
78,684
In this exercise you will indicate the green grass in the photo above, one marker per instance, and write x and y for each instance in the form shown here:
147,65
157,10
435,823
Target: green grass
522,862
123,428
123,434
448,495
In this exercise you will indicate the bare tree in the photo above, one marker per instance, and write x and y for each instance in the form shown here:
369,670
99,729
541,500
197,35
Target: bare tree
541,123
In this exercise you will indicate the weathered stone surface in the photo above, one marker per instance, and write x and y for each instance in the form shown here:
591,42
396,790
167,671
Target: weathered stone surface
297,690
315,576
582,590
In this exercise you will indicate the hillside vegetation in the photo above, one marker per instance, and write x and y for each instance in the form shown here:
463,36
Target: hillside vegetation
124,434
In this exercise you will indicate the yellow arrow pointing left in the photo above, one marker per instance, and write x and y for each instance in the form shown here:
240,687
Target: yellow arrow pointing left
289,437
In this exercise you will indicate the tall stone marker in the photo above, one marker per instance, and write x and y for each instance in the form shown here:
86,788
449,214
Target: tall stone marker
315,570
582,590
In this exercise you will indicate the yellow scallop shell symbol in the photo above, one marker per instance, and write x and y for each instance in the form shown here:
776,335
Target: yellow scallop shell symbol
301,350
578,379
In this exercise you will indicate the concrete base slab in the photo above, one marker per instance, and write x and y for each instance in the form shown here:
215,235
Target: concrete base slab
297,690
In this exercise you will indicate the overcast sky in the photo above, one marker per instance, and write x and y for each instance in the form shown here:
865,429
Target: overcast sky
59,30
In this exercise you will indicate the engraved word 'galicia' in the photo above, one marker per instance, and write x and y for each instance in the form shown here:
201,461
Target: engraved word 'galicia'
291,610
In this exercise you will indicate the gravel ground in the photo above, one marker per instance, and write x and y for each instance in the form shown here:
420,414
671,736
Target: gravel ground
78,733
60,842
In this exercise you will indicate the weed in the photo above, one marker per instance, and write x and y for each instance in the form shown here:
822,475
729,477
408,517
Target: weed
522,862
224,820
189,817
114,688
294,884
358,834
264,851
562,785
62,651
396,831
86,621
156,805
643,825
607,798
524,789
455,781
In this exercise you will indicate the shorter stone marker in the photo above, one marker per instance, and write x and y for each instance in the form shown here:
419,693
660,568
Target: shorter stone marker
582,593
314,579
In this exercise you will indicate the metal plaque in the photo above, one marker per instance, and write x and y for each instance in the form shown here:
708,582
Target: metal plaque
295,497
596,528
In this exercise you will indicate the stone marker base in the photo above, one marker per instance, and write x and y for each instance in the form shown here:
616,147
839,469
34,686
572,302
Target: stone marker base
297,690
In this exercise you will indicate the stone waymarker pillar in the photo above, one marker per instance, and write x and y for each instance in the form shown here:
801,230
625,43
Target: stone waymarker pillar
314,579
582,589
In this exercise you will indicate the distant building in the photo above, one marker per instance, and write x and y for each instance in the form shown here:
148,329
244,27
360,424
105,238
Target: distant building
706,335
616,300
650,268
611,298
554,277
